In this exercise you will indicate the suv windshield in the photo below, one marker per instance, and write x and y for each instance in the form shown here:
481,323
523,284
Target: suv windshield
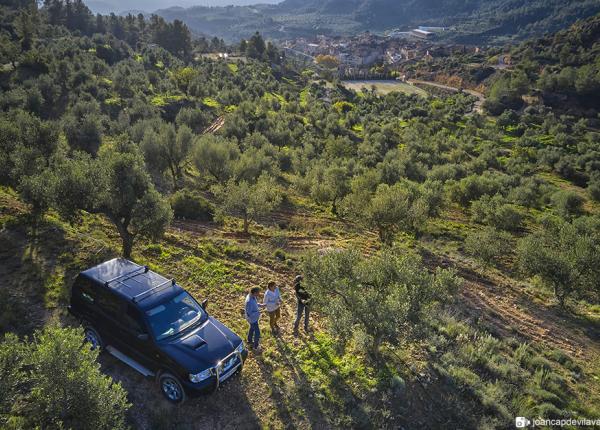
174,316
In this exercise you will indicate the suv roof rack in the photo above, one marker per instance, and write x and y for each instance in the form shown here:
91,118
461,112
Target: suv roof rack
131,273
155,289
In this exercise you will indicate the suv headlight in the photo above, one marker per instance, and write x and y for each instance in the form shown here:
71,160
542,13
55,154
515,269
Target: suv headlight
199,377
240,347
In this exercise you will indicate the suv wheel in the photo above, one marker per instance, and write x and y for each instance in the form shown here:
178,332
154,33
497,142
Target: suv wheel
171,388
92,337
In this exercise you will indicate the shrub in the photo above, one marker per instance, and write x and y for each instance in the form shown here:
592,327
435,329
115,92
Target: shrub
488,245
473,187
384,296
279,241
567,203
549,411
280,255
54,381
565,256
593,188
188,205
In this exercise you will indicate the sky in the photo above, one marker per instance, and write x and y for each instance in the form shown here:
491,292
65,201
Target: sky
116,6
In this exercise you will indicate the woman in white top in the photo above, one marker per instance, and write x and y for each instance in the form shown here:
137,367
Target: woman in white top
272,301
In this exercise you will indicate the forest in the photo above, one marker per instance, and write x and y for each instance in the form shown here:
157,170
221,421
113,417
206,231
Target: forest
453,255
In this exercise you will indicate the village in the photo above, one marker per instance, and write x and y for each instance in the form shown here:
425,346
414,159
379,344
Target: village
357,55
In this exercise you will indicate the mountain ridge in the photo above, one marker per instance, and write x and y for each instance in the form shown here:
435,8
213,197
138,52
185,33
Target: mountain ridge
473,21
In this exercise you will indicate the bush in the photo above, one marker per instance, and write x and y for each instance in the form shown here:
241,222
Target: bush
567,203
495,212
593,188
384,297
53,381
473,187
188,205
488,245
279,241
280,255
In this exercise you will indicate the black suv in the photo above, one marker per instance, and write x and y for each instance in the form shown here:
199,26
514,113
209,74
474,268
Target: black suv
156,327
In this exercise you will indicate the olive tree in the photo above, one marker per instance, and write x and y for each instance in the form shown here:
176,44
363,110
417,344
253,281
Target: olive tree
383,297
53,381
114,184
329,184
213,155
566,257
488,245
83,128
250,201
26,147
404,206
567,203
168,150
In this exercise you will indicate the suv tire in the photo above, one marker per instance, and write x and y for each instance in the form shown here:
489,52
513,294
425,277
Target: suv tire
171,388
92,336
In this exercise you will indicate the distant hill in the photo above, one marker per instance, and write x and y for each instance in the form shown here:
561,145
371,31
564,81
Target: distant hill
473,21
119,7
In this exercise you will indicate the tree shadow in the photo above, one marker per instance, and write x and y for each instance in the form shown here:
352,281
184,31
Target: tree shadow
38,264
337,405
312,408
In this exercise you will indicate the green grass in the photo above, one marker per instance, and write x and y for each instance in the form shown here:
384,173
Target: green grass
233,67
304,97
161,100
210,102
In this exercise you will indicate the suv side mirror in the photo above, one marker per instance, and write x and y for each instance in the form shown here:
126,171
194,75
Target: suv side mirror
204,304
143,336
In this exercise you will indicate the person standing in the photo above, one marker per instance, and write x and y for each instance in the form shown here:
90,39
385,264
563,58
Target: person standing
272,301
303,304
253,316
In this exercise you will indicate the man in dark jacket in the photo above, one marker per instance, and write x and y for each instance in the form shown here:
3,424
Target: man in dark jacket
303,304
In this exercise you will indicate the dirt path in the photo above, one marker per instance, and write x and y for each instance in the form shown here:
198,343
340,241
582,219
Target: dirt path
215,126
505,307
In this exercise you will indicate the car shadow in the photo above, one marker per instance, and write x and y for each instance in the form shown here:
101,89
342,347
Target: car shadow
227,408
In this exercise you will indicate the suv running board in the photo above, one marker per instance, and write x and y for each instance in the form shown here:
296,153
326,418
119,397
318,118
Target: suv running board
129,361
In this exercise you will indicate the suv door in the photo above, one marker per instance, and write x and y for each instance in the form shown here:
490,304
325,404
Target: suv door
108,321
140,349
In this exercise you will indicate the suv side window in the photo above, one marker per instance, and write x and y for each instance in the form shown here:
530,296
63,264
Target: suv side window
85,290
108,302
133,320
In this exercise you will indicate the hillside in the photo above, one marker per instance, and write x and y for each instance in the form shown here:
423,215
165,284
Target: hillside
452,254
560,71
475,22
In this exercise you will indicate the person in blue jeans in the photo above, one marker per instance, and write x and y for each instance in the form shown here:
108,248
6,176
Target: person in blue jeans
303,297
253,316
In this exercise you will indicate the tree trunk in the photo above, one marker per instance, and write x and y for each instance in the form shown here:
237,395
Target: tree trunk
246,224
126,237
175,176
127,245
561,295
179,182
